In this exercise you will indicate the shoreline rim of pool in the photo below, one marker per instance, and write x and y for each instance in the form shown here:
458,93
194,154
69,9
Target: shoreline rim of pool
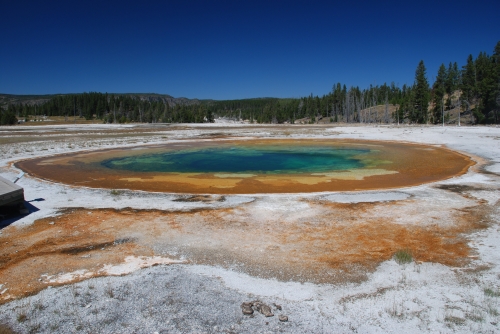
410,164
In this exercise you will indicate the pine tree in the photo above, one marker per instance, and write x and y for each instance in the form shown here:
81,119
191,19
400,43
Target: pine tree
100,109
496,61
438,90
468,84
421,95
8,117
486,86
452,81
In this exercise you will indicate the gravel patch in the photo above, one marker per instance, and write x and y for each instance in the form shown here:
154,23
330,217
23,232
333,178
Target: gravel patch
163,299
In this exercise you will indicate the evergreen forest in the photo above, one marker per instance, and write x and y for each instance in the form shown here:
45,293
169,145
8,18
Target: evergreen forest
473,89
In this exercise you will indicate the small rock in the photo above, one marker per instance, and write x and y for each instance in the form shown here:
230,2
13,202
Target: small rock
51,223
278,307
266,310
246,308
283,318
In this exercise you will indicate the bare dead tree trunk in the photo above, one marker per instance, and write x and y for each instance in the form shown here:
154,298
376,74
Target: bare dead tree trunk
343,112
386,112
358,109
361,102
370,110
370,113
347,104
351,105
470,111
353,99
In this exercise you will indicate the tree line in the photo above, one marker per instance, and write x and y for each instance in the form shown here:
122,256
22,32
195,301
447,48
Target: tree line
474,89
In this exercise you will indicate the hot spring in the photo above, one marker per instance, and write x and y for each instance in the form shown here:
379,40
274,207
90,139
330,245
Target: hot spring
254,166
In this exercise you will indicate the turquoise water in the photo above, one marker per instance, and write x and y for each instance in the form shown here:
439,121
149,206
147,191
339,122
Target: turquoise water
257,160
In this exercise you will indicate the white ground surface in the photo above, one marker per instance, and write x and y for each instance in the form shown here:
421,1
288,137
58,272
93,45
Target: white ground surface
412,298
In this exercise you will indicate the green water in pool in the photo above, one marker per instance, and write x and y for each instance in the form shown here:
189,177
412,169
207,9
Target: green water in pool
244,159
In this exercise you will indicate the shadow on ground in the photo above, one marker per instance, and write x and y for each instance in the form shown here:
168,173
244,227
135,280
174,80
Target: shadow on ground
9,215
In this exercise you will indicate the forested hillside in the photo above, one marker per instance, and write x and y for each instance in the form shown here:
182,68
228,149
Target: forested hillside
472,89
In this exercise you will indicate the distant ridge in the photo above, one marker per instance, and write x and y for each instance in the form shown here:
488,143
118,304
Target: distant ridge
34,99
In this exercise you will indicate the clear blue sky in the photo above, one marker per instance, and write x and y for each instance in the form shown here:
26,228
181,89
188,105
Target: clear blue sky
233,49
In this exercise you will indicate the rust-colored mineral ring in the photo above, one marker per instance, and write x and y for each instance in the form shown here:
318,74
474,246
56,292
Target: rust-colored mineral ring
394,165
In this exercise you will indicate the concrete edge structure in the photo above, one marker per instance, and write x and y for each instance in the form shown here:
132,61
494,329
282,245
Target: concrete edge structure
11,195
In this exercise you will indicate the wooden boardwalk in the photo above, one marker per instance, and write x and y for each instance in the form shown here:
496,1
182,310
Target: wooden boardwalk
10,193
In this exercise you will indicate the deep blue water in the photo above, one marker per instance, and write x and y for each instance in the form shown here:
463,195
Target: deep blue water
248,159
